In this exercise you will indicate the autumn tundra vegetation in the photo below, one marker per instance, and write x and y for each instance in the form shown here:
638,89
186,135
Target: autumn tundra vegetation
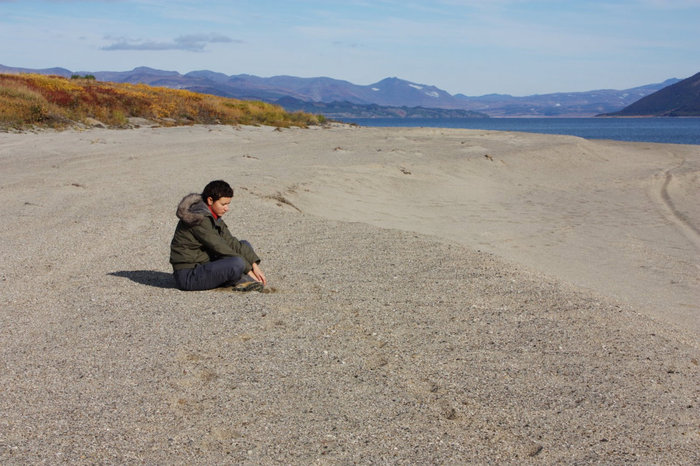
34,100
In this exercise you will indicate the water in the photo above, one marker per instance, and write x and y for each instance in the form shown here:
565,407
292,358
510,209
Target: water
664,130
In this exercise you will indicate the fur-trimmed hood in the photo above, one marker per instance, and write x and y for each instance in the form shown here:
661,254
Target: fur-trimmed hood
192,209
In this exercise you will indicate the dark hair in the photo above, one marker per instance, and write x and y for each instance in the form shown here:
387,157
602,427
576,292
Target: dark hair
216,190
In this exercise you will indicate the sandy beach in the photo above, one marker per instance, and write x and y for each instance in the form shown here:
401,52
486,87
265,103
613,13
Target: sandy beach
436,296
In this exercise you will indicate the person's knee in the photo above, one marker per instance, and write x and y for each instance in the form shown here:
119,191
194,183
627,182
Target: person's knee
236,262
235,267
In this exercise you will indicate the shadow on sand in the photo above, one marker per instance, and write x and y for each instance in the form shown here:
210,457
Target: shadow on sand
147,277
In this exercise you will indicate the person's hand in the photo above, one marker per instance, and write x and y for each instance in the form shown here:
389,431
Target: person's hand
257,273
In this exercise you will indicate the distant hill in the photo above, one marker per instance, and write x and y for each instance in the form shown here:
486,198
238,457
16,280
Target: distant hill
339,110
382,98
679,99
51,71
562,104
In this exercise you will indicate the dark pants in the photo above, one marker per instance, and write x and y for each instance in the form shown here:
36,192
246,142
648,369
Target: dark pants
221,272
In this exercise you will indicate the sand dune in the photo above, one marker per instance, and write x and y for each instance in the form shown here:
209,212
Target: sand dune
440,296
617,218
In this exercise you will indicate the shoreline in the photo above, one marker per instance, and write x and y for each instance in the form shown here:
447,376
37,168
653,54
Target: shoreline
409,321
494,125
548,202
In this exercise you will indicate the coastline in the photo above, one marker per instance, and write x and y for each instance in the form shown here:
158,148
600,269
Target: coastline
440,295
661,130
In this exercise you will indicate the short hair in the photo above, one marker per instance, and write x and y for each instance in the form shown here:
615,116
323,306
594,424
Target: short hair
216,190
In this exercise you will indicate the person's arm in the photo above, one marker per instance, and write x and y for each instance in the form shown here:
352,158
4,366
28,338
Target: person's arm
257,273
215,244
241,248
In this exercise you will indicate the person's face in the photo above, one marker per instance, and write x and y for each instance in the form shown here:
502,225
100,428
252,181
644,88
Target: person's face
219,206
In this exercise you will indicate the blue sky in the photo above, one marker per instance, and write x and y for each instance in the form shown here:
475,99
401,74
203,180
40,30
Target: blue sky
462,46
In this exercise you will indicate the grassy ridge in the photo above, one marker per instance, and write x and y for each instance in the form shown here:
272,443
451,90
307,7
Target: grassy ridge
56,102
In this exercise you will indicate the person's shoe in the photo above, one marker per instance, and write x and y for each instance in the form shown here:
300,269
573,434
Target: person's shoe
248,286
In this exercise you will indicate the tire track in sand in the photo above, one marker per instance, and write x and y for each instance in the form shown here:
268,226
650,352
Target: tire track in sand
660,195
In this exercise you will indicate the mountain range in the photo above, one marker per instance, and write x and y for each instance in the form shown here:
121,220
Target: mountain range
390,97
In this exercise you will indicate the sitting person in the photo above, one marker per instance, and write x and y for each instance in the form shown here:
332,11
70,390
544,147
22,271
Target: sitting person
203,253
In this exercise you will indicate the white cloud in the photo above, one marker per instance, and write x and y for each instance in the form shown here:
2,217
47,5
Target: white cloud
188,43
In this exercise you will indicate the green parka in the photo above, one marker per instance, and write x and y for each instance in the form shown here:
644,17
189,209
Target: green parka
200,238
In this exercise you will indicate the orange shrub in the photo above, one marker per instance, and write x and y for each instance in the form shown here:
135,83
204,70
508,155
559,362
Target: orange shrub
32,99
